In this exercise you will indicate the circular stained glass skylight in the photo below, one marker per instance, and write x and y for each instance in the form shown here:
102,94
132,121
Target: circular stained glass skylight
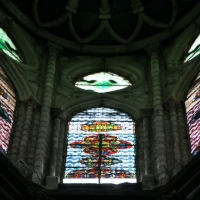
102,82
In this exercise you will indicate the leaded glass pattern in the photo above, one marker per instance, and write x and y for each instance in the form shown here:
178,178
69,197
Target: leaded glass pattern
100,147
102,82
7,107
194,49
192,105
7,46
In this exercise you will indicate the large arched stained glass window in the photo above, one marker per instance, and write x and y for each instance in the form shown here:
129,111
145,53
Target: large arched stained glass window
194,50
7,46
192,105
7,107
100,147
102,82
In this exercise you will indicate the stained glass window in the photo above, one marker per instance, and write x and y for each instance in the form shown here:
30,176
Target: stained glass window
194,50
102,82
7,107
193,115
101,147
7,46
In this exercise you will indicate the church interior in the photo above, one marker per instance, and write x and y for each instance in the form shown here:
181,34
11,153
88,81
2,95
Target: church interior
100,99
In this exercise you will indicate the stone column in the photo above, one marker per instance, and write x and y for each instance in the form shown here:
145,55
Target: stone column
147,156
184,135
158,119
175,136
41,145
60,155
17,133
33,140
65,142
26,131
141,151
54,143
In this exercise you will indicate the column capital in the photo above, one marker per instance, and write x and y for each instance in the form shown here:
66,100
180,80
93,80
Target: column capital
58,113
54,48
152,48
170,102
146,113
31,101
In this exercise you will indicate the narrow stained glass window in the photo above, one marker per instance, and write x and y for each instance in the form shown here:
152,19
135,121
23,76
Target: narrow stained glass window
192,105
194,50
7,45
7,107
100,147
102,82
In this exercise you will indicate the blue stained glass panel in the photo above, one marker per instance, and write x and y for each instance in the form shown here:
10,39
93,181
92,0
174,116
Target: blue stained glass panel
98,155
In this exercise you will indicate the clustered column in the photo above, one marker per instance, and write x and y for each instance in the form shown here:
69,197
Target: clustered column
147,158
175,135
39,160
54,144
184,135
26,131
158,117
60,152
17,134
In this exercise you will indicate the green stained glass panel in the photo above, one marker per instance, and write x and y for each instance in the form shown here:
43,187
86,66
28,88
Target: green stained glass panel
7,46
194,50
103,82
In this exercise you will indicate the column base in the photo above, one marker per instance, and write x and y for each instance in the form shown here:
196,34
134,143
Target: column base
148,182
52,182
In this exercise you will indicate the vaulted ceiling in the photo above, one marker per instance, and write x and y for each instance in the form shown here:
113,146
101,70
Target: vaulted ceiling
104,26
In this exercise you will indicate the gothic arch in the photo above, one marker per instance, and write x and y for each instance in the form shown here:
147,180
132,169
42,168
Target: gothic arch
191,69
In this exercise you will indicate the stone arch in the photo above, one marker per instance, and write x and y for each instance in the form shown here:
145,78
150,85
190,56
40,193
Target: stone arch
191,69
